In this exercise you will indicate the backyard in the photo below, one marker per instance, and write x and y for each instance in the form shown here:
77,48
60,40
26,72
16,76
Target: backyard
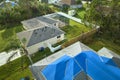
21,74
99,42
74,29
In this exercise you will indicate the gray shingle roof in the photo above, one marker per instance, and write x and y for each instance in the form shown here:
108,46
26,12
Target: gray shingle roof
42,34
47,20
24,35
38,35
32,23
37,22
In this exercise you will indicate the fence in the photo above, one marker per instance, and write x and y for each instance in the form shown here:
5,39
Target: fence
81,37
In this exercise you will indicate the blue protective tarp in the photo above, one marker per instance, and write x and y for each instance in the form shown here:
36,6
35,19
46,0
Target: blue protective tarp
64,68
101,71
108,61
97,67
72,68
55,70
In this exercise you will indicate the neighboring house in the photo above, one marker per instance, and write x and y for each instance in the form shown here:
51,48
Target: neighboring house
36,38
71,3
12,3
40,31
62,20
39,22
76,62
49,1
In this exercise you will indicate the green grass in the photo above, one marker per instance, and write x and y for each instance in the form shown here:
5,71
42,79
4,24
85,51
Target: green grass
21,74
98,43
80,13
74,29
11,68
19,68
8,37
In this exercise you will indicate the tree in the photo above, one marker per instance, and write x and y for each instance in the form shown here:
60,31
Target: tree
65,8
107,15
78,1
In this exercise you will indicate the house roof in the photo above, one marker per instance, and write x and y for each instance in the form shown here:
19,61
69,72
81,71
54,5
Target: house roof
47,20
71,50
86,61
90,62
38,35
37,22
32,23
110,54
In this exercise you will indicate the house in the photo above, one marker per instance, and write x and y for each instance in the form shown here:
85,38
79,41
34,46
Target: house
12,3
72,3
41,31
39,22
49,1
76,62
34,39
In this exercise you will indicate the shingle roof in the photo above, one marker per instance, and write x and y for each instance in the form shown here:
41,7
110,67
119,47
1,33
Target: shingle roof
32,23
66,67
46,20
42,34
25,35
38,35
37,22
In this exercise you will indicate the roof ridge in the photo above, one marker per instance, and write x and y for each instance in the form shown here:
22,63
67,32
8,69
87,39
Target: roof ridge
29,38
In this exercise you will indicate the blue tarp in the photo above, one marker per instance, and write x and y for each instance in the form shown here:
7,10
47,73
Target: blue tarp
97,67
108,61
72,68
55,70
64,68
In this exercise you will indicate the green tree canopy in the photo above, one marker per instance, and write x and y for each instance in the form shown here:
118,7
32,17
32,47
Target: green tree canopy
106,14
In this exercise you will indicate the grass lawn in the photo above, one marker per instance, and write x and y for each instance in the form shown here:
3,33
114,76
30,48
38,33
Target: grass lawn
13,70
21,74
98,43
8,37
74,29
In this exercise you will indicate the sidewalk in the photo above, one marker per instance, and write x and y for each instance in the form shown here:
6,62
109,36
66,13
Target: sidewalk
4,56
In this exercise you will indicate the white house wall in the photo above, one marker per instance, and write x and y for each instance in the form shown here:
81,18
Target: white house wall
36,47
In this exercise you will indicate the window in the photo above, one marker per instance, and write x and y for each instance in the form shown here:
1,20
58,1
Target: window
58,36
